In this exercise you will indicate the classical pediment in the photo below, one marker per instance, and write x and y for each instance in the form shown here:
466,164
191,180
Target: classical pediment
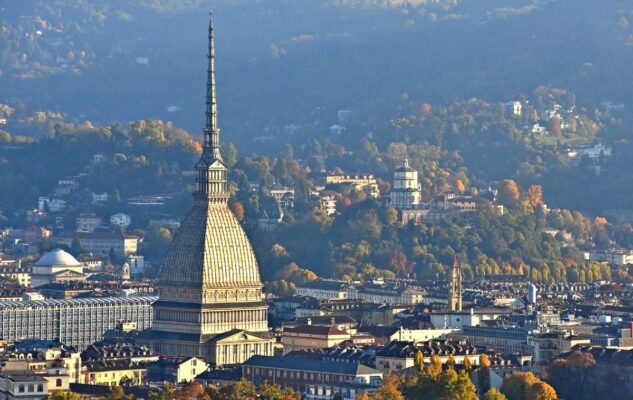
238,335
68,274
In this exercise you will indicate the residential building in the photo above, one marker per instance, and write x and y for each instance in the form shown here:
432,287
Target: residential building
99,198
25,385
87,222
109,364
459,319
285,196
101,242
177,369
400,355
549,345
308,375
507,340
357,181
17,272
312,337
53,205
120,219
381,293
92,262
137,264
513,108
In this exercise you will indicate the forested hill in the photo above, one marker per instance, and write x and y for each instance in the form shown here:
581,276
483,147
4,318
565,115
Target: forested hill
294,61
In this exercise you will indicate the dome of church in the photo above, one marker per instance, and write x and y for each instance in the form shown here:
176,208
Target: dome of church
57,257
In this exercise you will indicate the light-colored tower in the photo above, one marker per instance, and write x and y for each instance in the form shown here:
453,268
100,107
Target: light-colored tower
406,192
532,291
210,293
455,288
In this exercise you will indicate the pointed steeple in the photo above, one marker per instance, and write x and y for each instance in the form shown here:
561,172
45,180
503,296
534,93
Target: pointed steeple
211,183
211,130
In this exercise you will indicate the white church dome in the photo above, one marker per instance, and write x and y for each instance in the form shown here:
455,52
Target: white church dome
57,257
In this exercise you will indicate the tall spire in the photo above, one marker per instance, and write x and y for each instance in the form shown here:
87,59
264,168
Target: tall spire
211,130
211,183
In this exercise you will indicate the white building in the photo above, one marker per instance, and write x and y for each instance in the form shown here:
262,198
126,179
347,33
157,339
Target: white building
137,264
56,266
120,219
407,191
593,152
336,129
53,205
87,222
459,319
344,116
99,197
532,291
514,108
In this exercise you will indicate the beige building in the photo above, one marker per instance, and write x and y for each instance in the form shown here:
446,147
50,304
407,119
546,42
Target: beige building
56,266
406,192
399,355
549,345
17,272
312,337
364,182
210,293
101,242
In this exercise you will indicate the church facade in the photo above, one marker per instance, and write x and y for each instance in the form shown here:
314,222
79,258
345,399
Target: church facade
210,293
406,192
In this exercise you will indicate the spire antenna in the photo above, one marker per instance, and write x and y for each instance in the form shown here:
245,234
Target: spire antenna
211,130
211,182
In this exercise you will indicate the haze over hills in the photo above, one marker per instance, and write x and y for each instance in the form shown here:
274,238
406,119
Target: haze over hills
403,199
281,60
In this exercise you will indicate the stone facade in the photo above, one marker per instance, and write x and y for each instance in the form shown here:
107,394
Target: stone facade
211,302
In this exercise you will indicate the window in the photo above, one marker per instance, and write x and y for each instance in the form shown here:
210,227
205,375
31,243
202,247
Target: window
31,388
58,382
40,388
21,388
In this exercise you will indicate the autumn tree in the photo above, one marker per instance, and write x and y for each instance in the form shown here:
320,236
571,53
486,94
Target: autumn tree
534,195
509,193
419,361
238,210
483,373
541,391
62,395
362,396
450,362
389,389
434,369
494,394
555,126
518,386
468,366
